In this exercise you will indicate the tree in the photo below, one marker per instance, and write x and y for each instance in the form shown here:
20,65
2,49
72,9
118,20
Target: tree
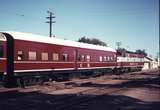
92,41
121,50
139,51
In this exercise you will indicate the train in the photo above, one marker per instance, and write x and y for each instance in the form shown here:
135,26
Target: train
26,57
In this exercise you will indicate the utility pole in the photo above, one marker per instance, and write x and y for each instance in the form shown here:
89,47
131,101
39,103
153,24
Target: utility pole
118,44
50,17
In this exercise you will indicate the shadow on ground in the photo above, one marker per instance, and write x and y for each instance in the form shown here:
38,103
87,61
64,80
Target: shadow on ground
15,100
152,83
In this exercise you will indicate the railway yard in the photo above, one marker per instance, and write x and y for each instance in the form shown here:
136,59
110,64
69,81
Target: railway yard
128,91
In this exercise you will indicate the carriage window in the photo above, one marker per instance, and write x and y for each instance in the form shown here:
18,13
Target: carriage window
44,56
111,58
88,58
1,51
32,55
65,57
127,55
55,56
108,58
20,55
105,58
100,58
82,58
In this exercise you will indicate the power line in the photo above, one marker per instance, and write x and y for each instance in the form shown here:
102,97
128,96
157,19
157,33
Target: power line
50,17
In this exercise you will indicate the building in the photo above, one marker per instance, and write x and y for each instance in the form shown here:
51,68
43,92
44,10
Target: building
150,63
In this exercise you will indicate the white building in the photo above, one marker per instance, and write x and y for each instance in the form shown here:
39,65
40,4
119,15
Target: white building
150,63
159,62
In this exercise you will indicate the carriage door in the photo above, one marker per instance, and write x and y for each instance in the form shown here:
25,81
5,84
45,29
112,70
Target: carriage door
2,54
88,58
75,59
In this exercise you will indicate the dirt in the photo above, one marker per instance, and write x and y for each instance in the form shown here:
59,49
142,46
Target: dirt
128,91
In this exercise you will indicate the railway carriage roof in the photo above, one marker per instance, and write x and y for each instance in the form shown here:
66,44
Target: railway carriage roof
45,39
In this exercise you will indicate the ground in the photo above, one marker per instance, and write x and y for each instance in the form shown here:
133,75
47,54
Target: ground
128,91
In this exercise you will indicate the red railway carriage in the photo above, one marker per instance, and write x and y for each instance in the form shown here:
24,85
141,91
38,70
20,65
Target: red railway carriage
22,53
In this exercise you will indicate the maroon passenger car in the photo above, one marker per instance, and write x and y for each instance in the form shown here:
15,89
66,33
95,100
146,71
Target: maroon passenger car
23,53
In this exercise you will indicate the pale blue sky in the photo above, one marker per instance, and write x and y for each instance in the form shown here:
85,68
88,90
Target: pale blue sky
133,22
